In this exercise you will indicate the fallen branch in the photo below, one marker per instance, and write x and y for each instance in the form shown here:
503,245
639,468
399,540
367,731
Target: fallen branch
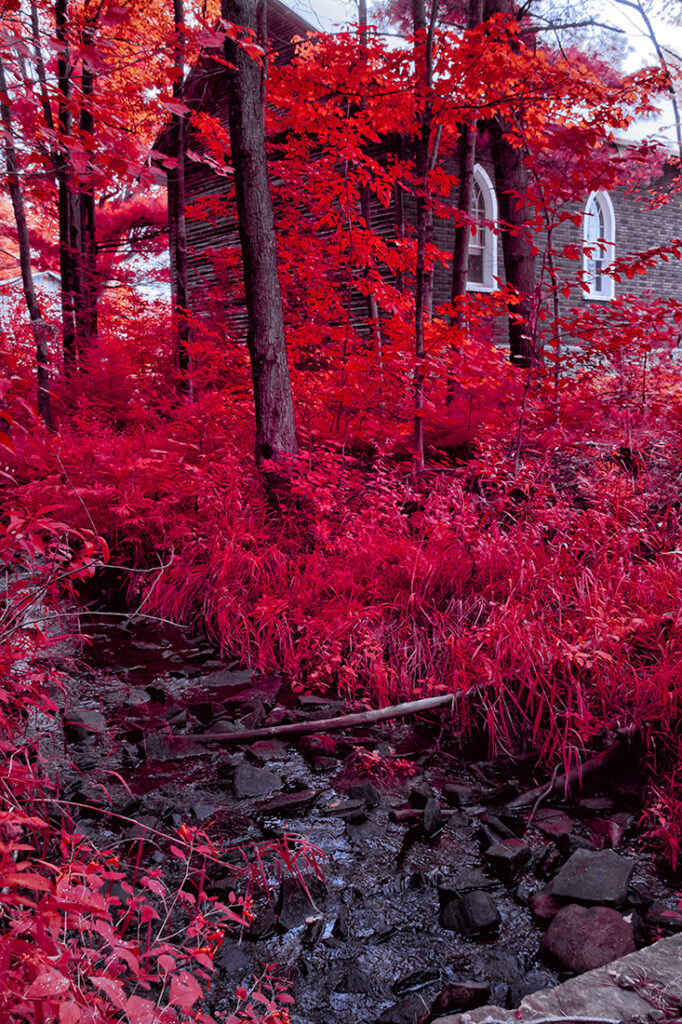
569,779
320,724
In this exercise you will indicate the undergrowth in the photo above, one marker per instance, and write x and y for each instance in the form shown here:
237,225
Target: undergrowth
533,569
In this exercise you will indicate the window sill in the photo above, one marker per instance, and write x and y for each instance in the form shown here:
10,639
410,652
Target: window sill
473,287
596,297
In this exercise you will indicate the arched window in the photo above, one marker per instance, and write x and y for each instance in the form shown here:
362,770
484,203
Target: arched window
482,266
599,245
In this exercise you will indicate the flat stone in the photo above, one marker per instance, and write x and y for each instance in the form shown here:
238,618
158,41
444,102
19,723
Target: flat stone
287,804
265,750
458,794
460,995
367,791
595,805
607,993
474,913
408,1011
508,856
81,723
582,938
553,822
251,781
349,810
599,877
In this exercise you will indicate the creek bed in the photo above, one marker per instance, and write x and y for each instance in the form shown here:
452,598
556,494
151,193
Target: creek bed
372,945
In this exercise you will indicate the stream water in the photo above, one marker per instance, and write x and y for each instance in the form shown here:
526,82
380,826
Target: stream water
373,945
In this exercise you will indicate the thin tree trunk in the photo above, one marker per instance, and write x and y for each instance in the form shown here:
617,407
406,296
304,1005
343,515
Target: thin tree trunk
40,328
366,211
88,243
177,213
519,263
424,275
67,233
275,424
466,152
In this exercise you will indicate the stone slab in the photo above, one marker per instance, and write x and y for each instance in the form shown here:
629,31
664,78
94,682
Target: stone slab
590,877
638,986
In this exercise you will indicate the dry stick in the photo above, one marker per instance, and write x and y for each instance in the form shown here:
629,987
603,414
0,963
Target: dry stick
564,782
321,724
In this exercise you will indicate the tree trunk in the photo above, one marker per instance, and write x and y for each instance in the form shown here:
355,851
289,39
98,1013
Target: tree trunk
40,328
176,210
423,162
519,263
366,211
275,426
88,244
68,231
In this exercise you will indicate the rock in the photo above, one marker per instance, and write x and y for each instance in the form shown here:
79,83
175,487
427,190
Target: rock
458,794
355,981
595,805
508,857
460,879
460,995
204,809
569,843
266,750
296,903
420,794
535,981
583,938
497,827
408,1011
341,926
289,803
660,916
317,746
543,906
433,818
82,723
349,810
607,832
594,878
251,781
474,913
231,959
367,791
553,822
159,746
314,927
415,980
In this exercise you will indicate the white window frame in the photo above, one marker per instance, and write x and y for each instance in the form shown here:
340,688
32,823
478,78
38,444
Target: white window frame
605,248
489,283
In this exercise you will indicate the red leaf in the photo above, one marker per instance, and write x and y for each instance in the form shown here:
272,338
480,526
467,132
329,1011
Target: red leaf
184,991
176,108
27,880
114,989
140,1011
49,982
69,1013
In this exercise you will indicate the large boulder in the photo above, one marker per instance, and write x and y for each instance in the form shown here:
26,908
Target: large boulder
583,938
